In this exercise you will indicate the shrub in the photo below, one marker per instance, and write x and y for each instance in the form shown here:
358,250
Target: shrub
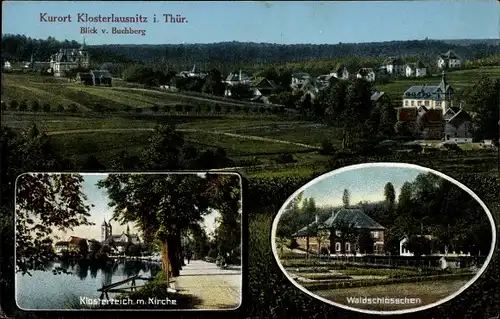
4,106
14,105
217,107
167,108
35,106
127,108
46,107
178,107
293,244
155,108
73,108
188,108
23,106
60,108
327,148
284,159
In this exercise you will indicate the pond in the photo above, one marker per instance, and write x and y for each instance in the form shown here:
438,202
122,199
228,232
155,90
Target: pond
45,290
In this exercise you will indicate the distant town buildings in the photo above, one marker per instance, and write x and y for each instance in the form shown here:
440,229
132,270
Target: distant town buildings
67,59
117,241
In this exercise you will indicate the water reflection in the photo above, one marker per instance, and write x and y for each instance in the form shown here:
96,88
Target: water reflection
45,290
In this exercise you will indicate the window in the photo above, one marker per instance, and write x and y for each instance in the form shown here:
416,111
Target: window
337,247
419,103
338,233
375,234
412,103
426,103
347,247
406,103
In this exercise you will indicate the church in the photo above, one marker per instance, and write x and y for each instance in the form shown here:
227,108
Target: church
118,241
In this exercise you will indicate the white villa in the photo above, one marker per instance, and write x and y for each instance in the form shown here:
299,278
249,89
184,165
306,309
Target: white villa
431,96
416,70
366,73
395,66
67,59
449,60
300,78
340,73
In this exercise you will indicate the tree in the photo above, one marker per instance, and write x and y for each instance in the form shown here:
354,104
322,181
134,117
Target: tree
162,206
72,108
46,107
23,106
346,197
484,100
94,248
14,105
46,201
418,245
163,149
35,106
4,106
83,248
60,108
390,194
155,108
365,242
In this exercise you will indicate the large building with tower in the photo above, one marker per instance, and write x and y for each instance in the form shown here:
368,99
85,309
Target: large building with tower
117,241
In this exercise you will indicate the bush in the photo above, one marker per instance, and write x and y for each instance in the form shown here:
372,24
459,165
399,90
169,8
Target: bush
14,105
73,108
167,108
155,108
284,159
327,148
46,107
138,110
35,106
4,106
60,108
293,244
23,106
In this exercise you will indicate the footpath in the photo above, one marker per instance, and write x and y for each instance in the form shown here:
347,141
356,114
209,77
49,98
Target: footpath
216,288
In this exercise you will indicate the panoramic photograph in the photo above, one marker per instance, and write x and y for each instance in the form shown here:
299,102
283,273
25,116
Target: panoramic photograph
384,237
148,241
154,86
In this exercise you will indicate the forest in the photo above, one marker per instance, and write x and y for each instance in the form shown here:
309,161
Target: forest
428,205
228,56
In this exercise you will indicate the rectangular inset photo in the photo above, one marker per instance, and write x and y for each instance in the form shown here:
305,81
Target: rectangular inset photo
128,241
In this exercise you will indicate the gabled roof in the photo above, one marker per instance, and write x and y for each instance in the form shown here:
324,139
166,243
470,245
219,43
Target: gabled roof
365,71
262,82
309,230
62,243
101,73
459,118
421,92
76,240
420,65
449,55
422,108
394,61
376,96
352,216
301,75
407,114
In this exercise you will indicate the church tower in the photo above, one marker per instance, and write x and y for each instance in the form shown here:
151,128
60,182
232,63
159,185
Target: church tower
446,93
104,230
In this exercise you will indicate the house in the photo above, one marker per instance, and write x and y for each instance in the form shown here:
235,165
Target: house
430,123
7,66
61,246
431,96
101,77
239,77
449,60
117,241
379,98
311,87
450,112
67,59
328,235
417,69
367,74
358,221
193,73
262,86
459,128
340,72
395,66
299,79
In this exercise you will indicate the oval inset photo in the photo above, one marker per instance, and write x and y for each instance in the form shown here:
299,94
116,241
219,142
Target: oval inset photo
383,238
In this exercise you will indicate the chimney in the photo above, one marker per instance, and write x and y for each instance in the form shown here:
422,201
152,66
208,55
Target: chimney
240,76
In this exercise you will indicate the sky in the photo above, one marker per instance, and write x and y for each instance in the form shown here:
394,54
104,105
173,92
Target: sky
101,211
364,184
322,22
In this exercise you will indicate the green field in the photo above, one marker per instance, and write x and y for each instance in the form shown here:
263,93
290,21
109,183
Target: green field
59,91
